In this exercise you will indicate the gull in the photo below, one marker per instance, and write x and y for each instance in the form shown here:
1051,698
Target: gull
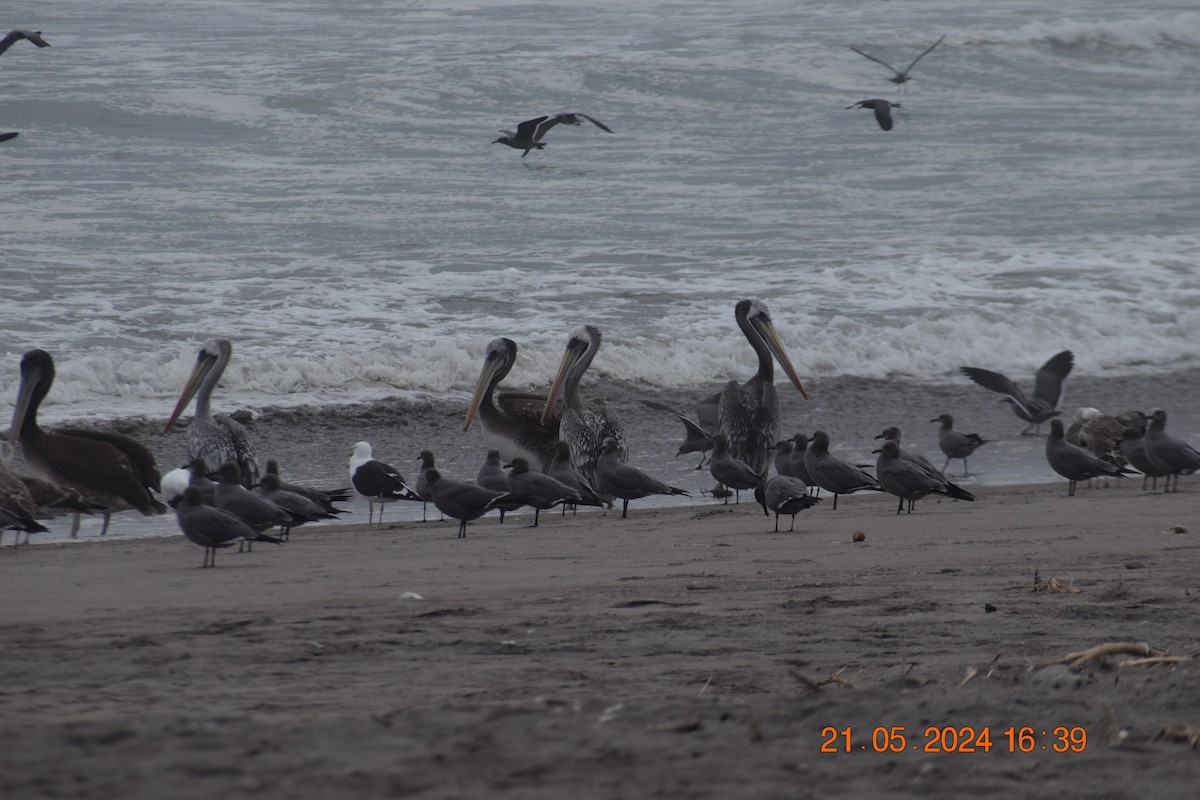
833,474
1132,447
1170,455
1074,463
461,500
376,481
529,133
542,491
731,472
900,76
618,479
955,444
1047,390
785,495
212,527
909,480
492,476
882,108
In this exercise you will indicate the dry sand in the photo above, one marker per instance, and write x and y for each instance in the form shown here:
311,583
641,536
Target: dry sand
681,653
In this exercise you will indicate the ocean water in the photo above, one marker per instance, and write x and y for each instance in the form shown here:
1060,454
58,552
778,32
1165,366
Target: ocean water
317,182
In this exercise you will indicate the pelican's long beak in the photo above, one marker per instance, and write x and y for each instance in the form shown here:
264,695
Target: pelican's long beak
204,365
29,380
569,359
767,330
490,367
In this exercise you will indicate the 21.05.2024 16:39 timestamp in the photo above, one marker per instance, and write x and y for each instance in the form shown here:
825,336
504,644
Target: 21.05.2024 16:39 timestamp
949,739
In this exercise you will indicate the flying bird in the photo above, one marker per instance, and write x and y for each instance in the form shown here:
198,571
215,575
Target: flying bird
882,108
1047,390
529,133
17,34
900,76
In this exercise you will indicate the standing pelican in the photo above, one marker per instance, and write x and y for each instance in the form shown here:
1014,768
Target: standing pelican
109,469
512,425
215,439
748,414
583,429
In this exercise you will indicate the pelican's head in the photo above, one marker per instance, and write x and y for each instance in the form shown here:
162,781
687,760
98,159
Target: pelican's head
498,359
581,347
37,373
213,352
758,324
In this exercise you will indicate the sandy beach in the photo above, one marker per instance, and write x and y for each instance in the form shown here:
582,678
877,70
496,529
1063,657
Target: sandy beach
685,652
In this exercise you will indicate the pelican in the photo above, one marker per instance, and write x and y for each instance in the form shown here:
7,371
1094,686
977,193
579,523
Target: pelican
529,133
17,506
748,414
583,429
1047,389
900,76
513,425
34,37
114,471
882,108
215,439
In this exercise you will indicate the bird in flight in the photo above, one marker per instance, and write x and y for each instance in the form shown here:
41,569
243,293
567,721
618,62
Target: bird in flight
901,76
529,133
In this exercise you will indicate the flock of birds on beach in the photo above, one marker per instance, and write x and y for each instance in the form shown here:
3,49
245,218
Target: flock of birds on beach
544,451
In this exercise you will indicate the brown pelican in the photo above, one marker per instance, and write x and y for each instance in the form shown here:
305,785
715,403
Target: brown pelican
529,133
212,527
900,76
748,414
882,108
114,471
215,439
583,429
909,480
377,481
34,37
955,444
513,425
1047,389
1074,463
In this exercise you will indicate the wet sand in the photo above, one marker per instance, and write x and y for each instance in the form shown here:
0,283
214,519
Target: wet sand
685,652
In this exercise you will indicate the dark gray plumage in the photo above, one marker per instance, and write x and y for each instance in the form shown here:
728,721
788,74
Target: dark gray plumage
17,34
698,438
899,76
909,480
528,135
461,500
783,457
892,432
250,507
618,479
492,476
798,469
212,527
882,108
542,491
422,485
1047,390
562,470
1135,453
300,507
784,495
1074,463
325,498
833,474
955,444
731,472
1168,454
